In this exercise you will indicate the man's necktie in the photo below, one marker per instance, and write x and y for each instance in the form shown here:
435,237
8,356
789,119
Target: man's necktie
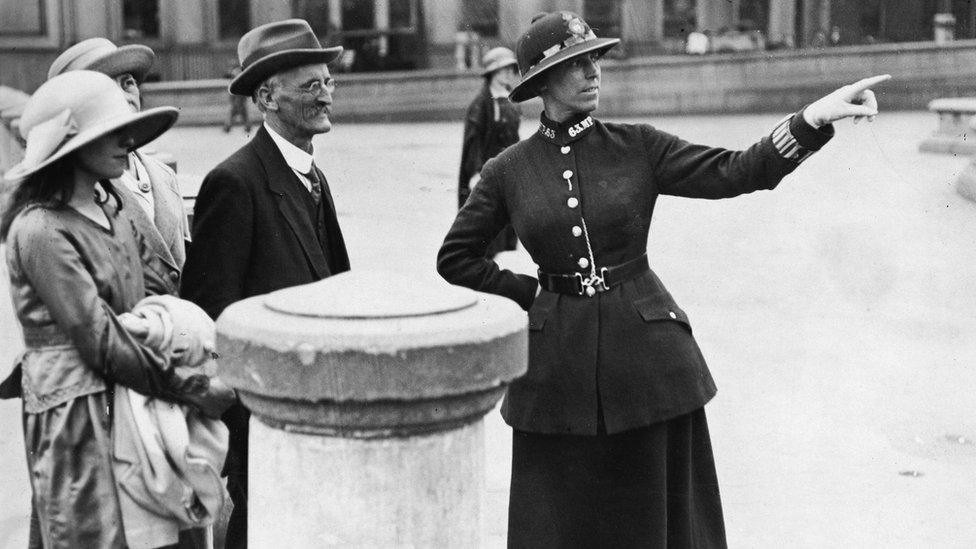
315,185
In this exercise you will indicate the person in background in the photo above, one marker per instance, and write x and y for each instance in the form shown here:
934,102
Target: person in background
491,125
264,218
238,105
76,260
146,181
610,444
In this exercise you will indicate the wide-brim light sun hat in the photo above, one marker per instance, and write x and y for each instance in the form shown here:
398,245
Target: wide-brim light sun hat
275,47
74,109
553,38
101,55
496,59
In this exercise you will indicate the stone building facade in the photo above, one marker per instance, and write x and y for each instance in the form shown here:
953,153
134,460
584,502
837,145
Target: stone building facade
196,39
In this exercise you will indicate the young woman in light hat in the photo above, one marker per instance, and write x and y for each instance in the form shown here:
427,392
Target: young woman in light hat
610,444
74,259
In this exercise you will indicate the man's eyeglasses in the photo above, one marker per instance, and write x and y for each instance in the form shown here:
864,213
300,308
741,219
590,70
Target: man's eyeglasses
315,88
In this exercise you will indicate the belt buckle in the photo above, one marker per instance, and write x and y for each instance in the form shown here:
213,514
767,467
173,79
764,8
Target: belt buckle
593,284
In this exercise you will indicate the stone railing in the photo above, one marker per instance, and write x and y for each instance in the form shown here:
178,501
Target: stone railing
779,81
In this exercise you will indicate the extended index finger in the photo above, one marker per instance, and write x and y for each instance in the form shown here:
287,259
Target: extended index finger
866,83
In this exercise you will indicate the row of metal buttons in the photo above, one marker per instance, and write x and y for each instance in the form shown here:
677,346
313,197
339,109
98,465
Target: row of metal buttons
573,203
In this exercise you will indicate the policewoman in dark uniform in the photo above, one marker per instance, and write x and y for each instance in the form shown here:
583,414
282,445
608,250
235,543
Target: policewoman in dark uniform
611,445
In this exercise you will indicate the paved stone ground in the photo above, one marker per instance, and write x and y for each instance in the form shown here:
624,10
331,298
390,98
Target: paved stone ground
836,314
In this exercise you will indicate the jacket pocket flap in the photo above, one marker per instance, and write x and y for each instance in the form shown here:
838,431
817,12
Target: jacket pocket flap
537,319
658,307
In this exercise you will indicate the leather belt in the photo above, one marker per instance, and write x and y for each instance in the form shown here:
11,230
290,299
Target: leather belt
36,337
607,277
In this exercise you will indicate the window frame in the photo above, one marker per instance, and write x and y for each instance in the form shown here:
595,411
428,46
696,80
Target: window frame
50,38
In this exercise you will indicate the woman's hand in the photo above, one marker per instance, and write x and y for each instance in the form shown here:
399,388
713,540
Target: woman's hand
853,100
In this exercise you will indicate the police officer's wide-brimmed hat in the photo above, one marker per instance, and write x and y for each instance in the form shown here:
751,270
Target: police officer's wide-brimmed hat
100,54
553,38
276,47
74,109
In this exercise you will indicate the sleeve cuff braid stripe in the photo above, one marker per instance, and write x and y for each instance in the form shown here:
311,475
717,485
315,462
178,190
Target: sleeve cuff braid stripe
786,144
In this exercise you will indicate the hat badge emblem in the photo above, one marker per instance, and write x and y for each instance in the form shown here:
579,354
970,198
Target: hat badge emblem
576,28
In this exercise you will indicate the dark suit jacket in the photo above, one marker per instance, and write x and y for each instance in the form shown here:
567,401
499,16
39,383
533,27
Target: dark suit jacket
629,352
252,231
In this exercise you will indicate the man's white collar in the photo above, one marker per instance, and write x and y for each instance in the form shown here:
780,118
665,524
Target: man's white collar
297,159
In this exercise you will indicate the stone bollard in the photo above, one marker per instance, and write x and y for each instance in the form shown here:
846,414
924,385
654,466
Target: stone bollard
953,135
966,182
368,392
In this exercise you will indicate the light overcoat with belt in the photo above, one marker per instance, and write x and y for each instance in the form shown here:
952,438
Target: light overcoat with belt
627,354
167,233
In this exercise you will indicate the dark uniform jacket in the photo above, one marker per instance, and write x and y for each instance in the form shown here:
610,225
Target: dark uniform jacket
256,229
626,356
490,126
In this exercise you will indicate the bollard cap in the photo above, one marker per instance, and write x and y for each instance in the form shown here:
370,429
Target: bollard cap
369,294
372,354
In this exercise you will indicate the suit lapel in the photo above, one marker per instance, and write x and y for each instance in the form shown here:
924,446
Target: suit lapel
283,182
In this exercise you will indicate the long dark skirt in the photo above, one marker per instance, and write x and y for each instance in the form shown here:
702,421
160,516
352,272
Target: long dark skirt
650,487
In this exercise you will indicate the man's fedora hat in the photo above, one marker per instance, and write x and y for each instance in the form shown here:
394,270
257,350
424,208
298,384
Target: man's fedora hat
553,38
73,109
100,54
276,47
497,58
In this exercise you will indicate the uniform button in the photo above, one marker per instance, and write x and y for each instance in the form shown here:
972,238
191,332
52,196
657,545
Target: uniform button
572,202
577,231
564,149
583,262
567,174
174,275
672,315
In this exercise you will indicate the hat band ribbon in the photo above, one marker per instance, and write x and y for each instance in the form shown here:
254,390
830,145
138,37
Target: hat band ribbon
573,40
305,41
44,139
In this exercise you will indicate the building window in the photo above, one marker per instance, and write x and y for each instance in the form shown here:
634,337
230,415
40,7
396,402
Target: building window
358,15
316,12
234,18
603,16
679,18
140,19
23,18
754,15
480,16
401,14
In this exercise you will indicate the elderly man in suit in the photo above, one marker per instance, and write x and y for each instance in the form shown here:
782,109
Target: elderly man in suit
147,181
264,218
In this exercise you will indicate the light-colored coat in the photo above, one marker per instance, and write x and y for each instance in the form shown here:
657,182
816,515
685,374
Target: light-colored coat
166,235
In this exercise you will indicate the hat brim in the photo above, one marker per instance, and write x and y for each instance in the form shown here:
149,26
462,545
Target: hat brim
256,72
526,88
134,59
144,126
498,66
